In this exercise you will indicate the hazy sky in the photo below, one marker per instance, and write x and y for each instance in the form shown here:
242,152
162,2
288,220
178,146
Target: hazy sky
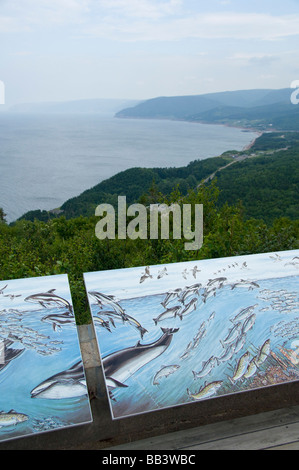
56,50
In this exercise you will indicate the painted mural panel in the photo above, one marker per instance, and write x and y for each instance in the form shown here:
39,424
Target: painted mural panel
179,333
42,380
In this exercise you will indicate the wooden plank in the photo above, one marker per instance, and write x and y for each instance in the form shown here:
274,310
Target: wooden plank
264,439
211,433
290,446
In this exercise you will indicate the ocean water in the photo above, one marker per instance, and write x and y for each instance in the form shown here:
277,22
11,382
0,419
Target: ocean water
46,159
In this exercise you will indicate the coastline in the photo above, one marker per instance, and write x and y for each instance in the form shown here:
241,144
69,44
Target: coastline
251,144
242,128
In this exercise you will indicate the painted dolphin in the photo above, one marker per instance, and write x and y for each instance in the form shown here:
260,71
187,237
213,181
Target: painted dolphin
104,299
58,320
170,312
170,295
49,300
70,383
244,283
188,308
121,365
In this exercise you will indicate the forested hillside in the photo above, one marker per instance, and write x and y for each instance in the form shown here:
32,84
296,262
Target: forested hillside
267,183
265,179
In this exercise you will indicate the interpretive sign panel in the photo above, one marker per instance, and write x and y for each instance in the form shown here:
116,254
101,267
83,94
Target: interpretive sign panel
174,334
42,379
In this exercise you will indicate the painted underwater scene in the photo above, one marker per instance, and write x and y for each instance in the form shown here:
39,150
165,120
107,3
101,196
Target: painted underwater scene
42,380
184,332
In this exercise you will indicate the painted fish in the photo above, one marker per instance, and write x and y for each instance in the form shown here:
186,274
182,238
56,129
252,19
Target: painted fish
248,324
202,331
263,353
207,367
11,418
121,365
228,353
251,369
206,390
241,367
243,314
240,342
232,335
165,371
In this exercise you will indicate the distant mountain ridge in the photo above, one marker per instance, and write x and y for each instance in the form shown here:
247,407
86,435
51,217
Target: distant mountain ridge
245,108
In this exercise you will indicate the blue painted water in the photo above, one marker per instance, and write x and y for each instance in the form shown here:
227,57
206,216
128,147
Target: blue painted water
274,317
46,351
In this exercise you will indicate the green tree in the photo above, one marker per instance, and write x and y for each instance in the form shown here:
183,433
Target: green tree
2,215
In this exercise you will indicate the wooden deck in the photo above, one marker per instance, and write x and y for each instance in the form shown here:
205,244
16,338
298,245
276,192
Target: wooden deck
273,430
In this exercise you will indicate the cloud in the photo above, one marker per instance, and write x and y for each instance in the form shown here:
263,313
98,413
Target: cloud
32,15
147,9
140,26
258,59
12,25
144,20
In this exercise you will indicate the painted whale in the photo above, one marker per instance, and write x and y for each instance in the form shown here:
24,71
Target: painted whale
70,383
121,365
8,354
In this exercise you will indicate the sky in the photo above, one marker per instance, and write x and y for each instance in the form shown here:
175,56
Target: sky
61,50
